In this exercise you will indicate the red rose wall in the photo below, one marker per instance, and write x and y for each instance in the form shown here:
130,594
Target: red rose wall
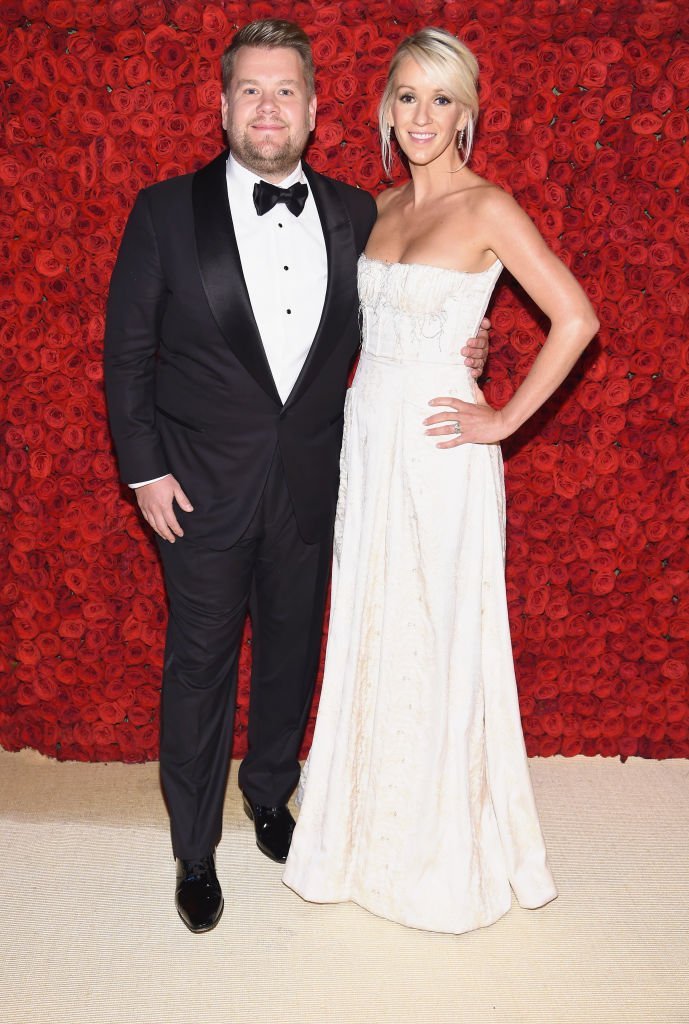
584,119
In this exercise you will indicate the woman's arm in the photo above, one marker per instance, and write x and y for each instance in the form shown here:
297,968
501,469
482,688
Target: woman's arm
503,228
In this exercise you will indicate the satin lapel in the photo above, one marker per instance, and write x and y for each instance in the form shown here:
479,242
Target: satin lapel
341,289
221,272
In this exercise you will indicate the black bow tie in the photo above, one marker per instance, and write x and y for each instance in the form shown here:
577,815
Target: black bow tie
266,196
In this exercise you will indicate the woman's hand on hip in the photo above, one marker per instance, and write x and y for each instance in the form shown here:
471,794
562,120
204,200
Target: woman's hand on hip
459,422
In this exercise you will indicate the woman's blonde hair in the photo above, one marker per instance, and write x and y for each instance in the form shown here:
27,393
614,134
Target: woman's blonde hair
452,65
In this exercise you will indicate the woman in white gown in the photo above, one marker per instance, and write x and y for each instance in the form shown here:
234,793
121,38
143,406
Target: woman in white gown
417,801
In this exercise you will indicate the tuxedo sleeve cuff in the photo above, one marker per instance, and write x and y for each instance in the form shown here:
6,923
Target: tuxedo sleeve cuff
143,483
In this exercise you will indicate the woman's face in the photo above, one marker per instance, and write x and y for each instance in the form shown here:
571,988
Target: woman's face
424,115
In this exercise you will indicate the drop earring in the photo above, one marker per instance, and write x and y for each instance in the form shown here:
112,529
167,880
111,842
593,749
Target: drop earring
460,139
387,133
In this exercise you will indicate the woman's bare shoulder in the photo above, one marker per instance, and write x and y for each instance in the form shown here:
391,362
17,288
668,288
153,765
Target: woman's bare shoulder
489,199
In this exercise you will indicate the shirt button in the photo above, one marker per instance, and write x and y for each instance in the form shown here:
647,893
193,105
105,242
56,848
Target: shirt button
285,268
279,225
289,310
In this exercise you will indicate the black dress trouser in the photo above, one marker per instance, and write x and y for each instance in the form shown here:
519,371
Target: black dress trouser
282,581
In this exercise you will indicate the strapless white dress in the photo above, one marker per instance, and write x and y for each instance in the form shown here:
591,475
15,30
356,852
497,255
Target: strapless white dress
417,802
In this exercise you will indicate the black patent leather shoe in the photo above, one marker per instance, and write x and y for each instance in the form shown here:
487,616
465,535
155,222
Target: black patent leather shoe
274,827
198,896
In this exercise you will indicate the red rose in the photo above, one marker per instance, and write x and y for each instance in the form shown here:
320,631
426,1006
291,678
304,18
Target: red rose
678,72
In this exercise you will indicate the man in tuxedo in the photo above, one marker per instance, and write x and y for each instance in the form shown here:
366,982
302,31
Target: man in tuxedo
231,328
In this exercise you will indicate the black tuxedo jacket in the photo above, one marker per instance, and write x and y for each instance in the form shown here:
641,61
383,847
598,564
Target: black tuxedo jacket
189,387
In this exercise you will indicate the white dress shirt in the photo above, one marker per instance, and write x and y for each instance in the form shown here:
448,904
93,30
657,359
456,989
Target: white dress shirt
286,271
285,267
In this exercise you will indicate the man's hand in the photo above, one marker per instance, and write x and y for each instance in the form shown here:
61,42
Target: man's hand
155,501
476,349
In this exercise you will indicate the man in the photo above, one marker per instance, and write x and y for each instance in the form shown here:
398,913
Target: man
232,324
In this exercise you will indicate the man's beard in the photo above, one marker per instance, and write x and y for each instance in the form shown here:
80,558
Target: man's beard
266,159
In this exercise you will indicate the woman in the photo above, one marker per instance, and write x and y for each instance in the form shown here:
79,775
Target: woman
418,803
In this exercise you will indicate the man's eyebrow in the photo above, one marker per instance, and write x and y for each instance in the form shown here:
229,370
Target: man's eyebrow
255,81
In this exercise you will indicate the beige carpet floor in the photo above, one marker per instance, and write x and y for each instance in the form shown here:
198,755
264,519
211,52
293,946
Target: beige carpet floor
90,935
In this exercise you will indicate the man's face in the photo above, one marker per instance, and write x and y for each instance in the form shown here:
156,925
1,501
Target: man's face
267,112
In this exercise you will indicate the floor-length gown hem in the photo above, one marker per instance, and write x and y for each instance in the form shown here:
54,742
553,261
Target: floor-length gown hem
382,912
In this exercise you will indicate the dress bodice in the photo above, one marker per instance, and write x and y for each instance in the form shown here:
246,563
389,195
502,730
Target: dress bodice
417,312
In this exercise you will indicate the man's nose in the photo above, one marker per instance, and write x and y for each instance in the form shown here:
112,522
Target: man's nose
268,101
